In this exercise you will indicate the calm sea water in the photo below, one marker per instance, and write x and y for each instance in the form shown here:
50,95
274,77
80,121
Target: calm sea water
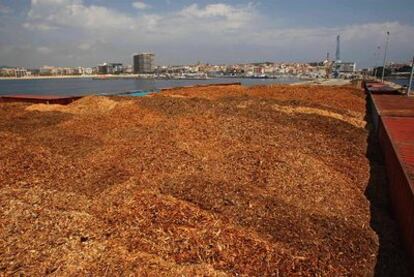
402,82
90,86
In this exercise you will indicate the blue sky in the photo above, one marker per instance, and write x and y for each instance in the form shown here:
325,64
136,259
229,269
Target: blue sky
88,32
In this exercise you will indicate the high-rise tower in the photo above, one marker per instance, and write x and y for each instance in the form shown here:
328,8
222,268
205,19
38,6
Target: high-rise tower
338,49
144,63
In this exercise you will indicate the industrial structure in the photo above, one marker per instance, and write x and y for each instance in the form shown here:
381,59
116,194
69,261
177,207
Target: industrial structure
144,63
328,66
338,49
339,66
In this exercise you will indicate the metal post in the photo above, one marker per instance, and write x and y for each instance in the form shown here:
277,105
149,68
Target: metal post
385,55
376,56
411,78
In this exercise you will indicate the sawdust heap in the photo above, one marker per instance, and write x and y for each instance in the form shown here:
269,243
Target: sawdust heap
205,182
305,110
86,105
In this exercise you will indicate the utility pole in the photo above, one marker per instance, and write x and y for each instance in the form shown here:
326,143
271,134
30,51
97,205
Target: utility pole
376,56
385,55
411,78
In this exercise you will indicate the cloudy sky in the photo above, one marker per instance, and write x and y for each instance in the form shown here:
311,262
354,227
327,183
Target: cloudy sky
88,32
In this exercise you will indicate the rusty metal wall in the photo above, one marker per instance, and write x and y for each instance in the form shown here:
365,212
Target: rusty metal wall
393,119
396,136
374,87
394,105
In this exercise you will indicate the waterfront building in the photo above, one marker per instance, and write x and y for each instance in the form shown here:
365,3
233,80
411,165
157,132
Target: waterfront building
110,68
144,63
34,72
117,68
85,70
345,67
7,72
14,72
128,69
70,71
45,70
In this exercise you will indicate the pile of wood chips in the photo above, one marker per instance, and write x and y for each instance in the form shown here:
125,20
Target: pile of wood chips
211,181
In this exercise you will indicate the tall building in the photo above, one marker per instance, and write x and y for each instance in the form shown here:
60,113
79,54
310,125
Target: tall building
144,63
338,49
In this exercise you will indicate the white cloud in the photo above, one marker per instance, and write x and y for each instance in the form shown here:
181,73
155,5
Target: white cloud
84,46
225,15
208,11
53,14
39,26
44,50
214,32
140,5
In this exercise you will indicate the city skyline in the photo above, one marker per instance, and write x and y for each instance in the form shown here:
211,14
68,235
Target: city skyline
86,32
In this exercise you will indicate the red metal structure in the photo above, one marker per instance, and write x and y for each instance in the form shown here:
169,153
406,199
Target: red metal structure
394,105
396,135
390,105
393,118
375,87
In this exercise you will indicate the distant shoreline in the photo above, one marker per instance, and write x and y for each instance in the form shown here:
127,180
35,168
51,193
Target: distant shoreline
126,76
65,77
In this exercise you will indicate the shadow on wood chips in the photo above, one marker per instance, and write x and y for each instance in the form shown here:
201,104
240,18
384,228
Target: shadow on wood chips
211,181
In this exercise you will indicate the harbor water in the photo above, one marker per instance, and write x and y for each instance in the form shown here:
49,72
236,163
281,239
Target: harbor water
86,86
401,82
